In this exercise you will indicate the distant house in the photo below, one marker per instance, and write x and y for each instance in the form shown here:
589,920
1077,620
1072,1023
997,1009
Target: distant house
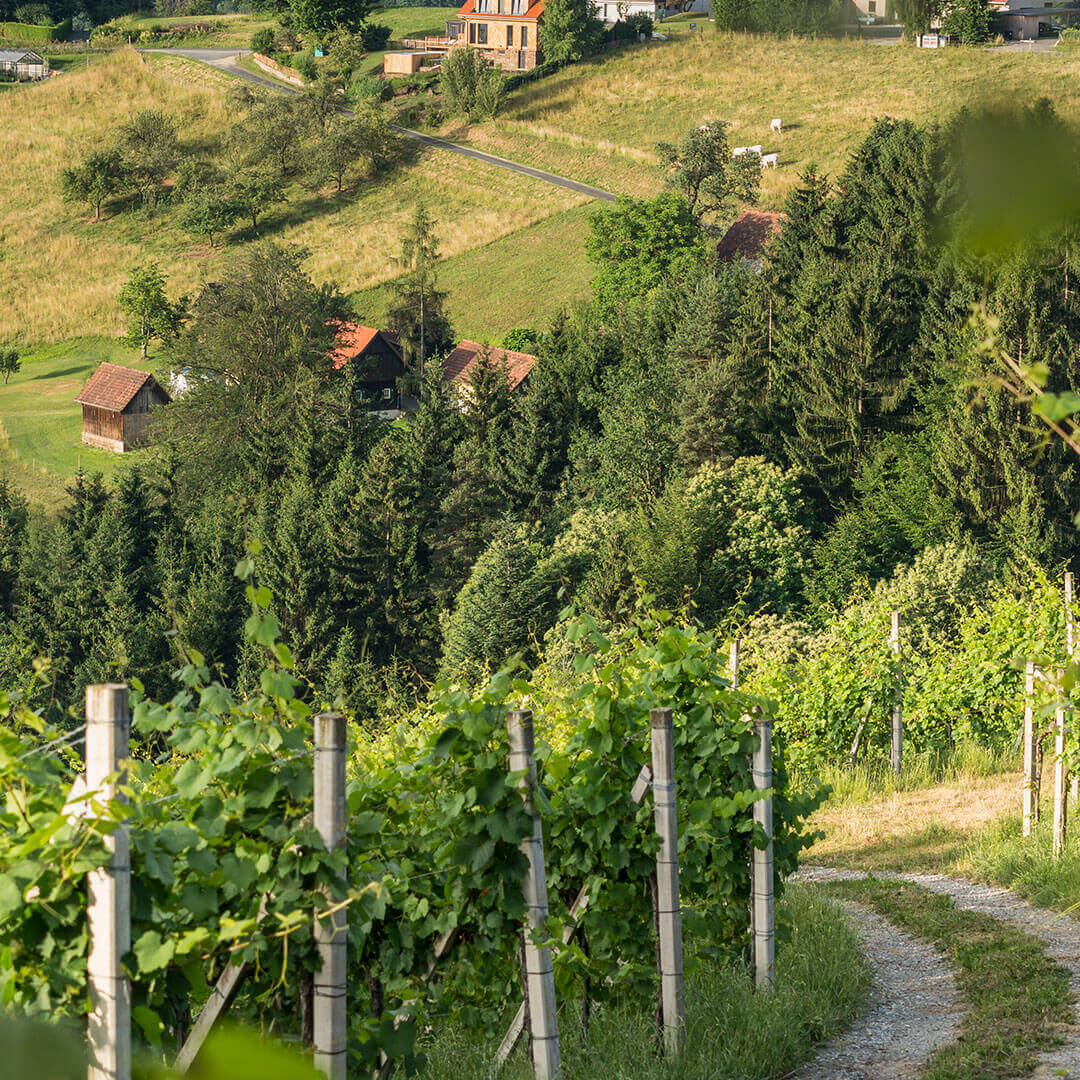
748,238
460,364
116,405
375,359
507,31
23,64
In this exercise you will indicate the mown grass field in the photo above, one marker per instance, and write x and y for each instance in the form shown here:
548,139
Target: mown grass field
599,121
40,424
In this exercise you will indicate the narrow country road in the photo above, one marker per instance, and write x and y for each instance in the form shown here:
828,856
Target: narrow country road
225,60
1060,933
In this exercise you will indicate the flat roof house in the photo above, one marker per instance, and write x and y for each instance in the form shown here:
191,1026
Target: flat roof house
116,405
508,31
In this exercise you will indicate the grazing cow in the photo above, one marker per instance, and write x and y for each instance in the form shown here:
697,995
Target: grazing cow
769,160
776,127
740,150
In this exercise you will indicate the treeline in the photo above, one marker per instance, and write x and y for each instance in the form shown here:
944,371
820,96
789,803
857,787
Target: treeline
731,441
274,141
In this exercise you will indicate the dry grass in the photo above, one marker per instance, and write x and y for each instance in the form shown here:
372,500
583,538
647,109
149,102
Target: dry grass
599,121
62,271
925,830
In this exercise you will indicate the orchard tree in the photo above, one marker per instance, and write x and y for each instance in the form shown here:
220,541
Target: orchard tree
253,189
967,22
99,176
205,213
9,363
322,17
703,171
150,312
150,147
335,152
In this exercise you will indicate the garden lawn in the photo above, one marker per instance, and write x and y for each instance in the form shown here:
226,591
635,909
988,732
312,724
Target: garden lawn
599,121
62,271
731,1030
40,423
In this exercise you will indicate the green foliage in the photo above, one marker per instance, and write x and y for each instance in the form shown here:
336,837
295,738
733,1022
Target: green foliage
303,63
100,176
522,339
469,85
34,34
206,213
779,16
968,22
322,17
918,16
151,314
640,245
702,170
9,362
571,31
264,41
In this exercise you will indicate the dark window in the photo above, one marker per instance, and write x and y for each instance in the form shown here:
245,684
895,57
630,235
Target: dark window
871,7
472,33
509,36
524,37
481,33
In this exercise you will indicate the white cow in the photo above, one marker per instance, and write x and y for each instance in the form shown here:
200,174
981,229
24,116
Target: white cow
776,126
740,150
769,160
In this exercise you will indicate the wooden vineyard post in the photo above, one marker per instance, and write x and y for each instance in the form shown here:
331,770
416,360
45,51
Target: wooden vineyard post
896,755
669,915
733,664
1029,746
108,913
331,931
539,976
1058,844
762,907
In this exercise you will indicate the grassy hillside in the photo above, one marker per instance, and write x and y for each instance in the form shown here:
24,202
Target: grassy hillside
62,271
599,121
40,424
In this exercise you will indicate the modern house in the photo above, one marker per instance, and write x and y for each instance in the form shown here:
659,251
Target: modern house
508,31
748,237
461,363
377,366
116,407
22,65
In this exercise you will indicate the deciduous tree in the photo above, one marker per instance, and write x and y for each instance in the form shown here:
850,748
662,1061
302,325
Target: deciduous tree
151,314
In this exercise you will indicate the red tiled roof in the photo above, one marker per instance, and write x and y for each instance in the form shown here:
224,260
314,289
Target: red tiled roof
113,386
458,366
353,340
534,11
749,234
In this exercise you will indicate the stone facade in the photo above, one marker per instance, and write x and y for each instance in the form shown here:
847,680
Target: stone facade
509,43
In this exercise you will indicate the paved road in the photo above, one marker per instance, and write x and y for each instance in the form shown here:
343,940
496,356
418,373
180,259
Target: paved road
225,60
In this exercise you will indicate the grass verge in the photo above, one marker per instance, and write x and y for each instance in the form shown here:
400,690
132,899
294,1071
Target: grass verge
732,1031
1017,998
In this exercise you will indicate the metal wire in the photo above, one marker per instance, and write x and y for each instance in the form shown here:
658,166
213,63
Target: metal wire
59,741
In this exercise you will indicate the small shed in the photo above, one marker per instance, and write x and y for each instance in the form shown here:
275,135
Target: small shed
407,63
23,64
116,405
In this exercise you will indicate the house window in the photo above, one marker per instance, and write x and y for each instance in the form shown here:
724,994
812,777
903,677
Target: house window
871,6
524,37
509,36
481,33
387,393
517,7
472,33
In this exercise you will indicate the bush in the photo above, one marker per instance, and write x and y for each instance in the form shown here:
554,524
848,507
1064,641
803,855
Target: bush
523,339
264,41
631,28
469,85
368,88
303,63
374,36
523,78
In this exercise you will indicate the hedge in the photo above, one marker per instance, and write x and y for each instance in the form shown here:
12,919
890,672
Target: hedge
26,32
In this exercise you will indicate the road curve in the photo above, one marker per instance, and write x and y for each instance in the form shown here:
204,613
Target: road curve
225,60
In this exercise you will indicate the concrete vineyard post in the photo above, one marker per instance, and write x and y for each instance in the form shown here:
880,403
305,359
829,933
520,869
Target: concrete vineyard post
331,931
896,755
1029,747
762,905
733,664
1059,778
108,913
1070,645
669,915
539,976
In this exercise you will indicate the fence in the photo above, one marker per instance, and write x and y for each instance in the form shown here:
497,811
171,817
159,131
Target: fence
109,905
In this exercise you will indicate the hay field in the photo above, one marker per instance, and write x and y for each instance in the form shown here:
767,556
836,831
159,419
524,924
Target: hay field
62,271
600,120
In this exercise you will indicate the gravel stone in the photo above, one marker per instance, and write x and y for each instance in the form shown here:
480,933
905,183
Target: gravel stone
914,1008
1059,933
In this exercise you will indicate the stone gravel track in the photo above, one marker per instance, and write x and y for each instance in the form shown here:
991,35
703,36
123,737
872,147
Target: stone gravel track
1059,933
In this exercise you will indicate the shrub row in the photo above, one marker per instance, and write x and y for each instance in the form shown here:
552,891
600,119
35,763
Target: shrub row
25,32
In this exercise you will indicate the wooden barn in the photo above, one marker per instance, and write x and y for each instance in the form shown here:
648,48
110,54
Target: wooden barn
116,405
374,359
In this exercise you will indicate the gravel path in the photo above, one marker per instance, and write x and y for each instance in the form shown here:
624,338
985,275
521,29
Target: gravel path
1060,934
914,1008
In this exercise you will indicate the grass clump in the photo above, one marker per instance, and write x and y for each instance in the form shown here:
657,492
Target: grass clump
1017,998
733,1032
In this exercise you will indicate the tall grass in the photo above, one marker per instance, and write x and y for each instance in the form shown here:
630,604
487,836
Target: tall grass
733,1032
